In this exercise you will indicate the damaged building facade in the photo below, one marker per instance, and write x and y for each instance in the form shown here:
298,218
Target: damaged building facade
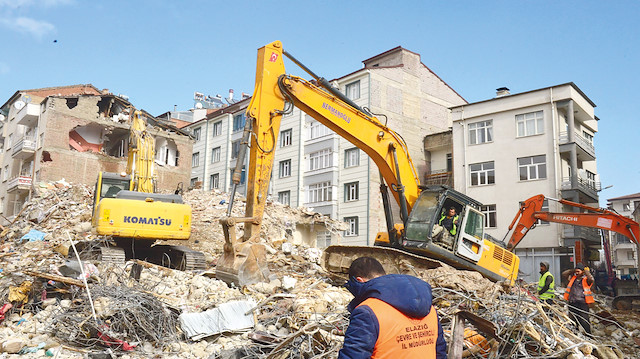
72,133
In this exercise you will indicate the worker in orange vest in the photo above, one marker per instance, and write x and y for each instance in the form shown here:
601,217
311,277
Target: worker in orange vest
391,316
579,296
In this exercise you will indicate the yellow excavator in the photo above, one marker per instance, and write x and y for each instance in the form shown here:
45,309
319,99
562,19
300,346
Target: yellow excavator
418,242
127,210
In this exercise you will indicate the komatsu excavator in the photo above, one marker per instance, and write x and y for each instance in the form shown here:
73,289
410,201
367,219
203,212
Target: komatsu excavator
127,210
531,211
412,244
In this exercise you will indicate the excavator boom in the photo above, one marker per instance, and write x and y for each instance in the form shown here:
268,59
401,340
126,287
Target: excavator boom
275,94
531,211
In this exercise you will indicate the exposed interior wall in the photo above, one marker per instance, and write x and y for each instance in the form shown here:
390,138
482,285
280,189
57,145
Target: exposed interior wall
91,134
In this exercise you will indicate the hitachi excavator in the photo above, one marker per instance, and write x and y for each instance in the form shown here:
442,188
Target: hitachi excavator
531,211
415,243
127,210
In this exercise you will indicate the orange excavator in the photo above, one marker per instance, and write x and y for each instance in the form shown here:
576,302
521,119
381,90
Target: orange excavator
531,211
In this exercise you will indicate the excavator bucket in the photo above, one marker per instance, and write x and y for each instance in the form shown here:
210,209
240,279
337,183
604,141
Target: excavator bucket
241,263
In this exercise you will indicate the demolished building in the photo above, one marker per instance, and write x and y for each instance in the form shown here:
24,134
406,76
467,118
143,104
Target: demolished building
74,132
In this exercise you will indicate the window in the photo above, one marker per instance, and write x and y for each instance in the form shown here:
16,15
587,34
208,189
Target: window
235,149
626,206
285,168
351,157
238,122
530,124
449,162
352,222
630,255
193,182
217,128
480,132
351,191
195,159
587,136
9,141
215,154
532,168
352,90
316,129
320,159
323,239
490,217
196,133
214,181
482,173
319,192
5,173
284,197
41,142
285,138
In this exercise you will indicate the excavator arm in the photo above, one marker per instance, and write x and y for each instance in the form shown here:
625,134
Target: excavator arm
275,90
531,211
275,94
140,165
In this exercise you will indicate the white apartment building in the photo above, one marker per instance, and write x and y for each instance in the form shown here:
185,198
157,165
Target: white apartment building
624,252
515,146
314,167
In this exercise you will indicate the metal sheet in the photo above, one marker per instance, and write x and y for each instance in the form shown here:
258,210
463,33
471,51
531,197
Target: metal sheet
226,317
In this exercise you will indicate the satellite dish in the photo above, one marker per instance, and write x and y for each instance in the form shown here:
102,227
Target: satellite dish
19,104
2,118
198,105
582,174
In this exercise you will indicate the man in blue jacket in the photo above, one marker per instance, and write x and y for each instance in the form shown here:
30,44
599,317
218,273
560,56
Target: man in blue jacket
391,316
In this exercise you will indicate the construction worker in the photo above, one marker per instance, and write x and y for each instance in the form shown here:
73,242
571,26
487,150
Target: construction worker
546,284
578,294
450,221
391,316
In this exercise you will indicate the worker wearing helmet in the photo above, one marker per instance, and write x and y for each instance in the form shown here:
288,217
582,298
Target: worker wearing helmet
546,284
391,316
579,296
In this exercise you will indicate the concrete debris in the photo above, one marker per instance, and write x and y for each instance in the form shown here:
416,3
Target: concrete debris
48,311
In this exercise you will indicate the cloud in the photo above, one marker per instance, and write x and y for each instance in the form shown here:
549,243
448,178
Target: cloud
4,68
10,11
15,4
24,24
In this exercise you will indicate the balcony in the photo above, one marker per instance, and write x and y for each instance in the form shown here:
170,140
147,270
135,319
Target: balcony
584,148
586,186
590,235
439,177
28,115
20,183
24,148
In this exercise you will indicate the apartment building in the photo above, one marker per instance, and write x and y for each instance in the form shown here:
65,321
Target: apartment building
314,167
509,148
623,250
72,133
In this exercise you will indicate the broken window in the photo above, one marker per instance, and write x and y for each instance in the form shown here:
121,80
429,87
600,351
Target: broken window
166,152
72,102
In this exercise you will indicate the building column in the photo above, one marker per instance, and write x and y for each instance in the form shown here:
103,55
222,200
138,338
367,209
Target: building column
573,157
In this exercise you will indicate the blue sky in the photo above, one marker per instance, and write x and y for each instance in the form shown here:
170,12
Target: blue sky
159,52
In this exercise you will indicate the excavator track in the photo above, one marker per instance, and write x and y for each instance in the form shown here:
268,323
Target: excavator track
337,259
186,258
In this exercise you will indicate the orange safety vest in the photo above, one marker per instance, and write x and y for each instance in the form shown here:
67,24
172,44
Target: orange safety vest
588,296
401,336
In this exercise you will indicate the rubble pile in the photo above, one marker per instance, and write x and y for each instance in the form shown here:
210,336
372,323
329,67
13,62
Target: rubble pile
54,306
